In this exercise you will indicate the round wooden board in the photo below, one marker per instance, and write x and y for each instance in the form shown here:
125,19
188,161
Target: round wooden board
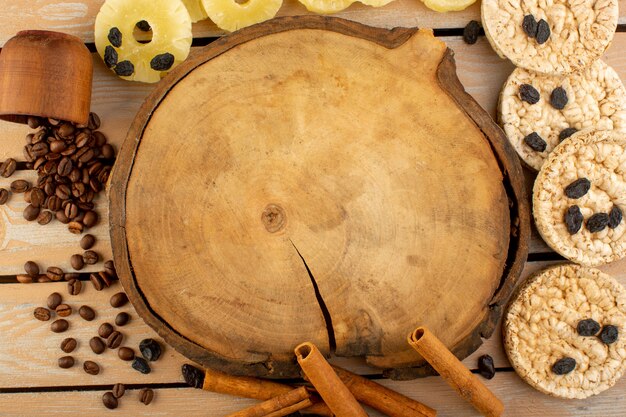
314,179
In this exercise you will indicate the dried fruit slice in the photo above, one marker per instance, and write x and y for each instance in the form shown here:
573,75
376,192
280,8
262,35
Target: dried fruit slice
326,6
375,3
230,15
448,5
146,62
195,9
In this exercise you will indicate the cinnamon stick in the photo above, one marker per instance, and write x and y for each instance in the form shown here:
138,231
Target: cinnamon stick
279,406
334,393
381,398
455,373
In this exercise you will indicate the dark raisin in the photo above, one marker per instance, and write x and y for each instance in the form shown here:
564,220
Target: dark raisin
615,217
143,26
578,188
162,62
193,376
150,349
564,366
486,366
566,133
573,219
535,142
588,327
529,24
141,365
558,98
115,37
543,32
110,56
597,222
529,94
471,32
609,334
125,68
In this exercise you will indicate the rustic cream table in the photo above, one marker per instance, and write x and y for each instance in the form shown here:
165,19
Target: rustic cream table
30,382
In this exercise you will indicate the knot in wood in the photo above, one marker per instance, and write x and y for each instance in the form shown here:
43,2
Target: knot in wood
273,218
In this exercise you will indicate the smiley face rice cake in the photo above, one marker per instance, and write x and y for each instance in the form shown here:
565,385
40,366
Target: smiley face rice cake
564,331
538,111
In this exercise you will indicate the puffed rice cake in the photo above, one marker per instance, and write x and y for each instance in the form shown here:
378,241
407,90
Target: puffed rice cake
540,328
587,227
579,32
595,98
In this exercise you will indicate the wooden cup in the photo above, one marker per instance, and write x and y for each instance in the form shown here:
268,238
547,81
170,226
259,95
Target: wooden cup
45,74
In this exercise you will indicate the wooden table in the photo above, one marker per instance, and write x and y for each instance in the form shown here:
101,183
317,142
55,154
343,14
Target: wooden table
30,381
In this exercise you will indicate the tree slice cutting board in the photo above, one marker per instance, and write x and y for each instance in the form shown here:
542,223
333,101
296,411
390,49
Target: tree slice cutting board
314,179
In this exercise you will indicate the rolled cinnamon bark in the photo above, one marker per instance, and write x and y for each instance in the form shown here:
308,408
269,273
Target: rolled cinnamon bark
279,406
455,373
326,382
382,399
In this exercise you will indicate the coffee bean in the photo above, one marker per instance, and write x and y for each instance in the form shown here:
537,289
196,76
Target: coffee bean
109,267
68,276
96,281
543,32
63,191
109,400
71,211
31,212
122,319
31,269
8,167
43,278
90,257
471,32
87,313
140,364
74,286
33,122
65,130
146,395
118,390
54,300
97,345
597,222
40,149
535,142
75,228
60,215
49,168
94,121
78,189
87,241
53,122
44,217
118,300
66,362
107,151
615,217
24,279
68,345
54,273
4,196
486,366
53,203
57,146
59,326
126,353
91,368
105,330
91,218
77,261
42,314
115,340
150,349
63,310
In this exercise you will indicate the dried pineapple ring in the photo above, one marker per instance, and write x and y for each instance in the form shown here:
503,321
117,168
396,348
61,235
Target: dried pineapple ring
195,9
230,15
375,3
448,5
146,62
326,6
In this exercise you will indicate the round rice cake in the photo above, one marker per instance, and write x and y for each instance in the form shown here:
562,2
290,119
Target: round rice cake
541,328
558,37
579,197
595,98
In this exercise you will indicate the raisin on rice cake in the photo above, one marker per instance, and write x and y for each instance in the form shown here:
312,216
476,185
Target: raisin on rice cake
564,331
579,197
538,111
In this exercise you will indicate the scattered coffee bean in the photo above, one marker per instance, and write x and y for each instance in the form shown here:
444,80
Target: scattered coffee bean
109,400
96,281
31,269
471,32
118,390
529,94
90,219
63,310
20,186
31,212
59,326
118,300
150,349
91,368
115,340
68,276
87,313
75,228
43,278
77,261
42,314
87,241
609,334
578,188
573,219
486,367
54,300
66,362
97,345
94,121
4,196
615,217
44,217
588,327
122,319
529,24
558,98
105,330
126,353
24,279
8,167
140,364
90,257
68,345
37,196
74,286
109,268
597,222
106,278
535,142
193,376
146,395
564,366
543,32
54,273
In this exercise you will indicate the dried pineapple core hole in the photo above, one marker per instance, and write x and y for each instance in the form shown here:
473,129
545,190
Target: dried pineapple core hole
140,33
